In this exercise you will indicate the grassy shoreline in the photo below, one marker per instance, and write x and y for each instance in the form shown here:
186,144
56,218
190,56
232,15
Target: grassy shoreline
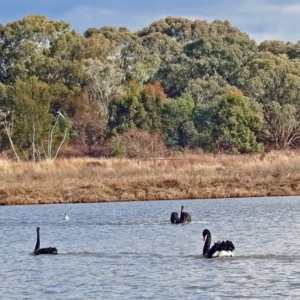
87,180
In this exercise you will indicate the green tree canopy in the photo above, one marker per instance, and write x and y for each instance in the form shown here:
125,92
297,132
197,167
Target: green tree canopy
30,129
178,129
25,44
229,125
275,47
220,55
139,107
274,81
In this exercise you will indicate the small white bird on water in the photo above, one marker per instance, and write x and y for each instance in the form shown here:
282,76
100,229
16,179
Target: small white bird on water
66,217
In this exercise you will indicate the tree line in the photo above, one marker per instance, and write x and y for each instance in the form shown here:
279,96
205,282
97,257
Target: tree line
176,84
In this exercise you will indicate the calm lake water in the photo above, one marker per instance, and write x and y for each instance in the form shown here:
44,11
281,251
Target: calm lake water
130,250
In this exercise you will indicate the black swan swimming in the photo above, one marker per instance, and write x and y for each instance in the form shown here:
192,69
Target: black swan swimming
219,249
184,217
38,250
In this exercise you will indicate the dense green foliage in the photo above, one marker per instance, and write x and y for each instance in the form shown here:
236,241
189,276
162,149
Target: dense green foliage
229,125
187,84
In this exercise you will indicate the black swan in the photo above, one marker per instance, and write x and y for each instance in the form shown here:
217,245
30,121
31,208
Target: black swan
219,249
184,217
38,250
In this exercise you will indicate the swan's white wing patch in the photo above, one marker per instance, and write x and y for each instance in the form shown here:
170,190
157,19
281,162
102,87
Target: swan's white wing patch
216,254
226,253
223,253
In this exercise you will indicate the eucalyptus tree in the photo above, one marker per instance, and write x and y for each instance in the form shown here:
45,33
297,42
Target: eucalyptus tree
26,45
126,110
196,49
207,91
166,37
274,81
55,55
127,46
175,75
29,128
178,127
229,125
145,70
274,46
128,61
218,55
209,58
184,31
293,50
170,67
139,107
178,29
161,44
103,80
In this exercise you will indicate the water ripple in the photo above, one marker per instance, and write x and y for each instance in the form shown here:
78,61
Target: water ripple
132,251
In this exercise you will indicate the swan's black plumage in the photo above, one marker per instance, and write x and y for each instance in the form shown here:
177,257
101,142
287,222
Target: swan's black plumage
219,249
184,217
174,218
38,250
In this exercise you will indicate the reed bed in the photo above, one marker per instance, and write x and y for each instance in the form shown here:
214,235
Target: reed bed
189,176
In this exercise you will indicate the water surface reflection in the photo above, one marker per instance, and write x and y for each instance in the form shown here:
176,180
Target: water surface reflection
132,251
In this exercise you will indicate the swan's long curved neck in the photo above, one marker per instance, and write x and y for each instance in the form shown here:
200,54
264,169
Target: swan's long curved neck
180,217
37,246
206,245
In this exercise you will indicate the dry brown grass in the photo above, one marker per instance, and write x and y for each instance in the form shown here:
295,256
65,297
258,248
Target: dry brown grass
188,176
